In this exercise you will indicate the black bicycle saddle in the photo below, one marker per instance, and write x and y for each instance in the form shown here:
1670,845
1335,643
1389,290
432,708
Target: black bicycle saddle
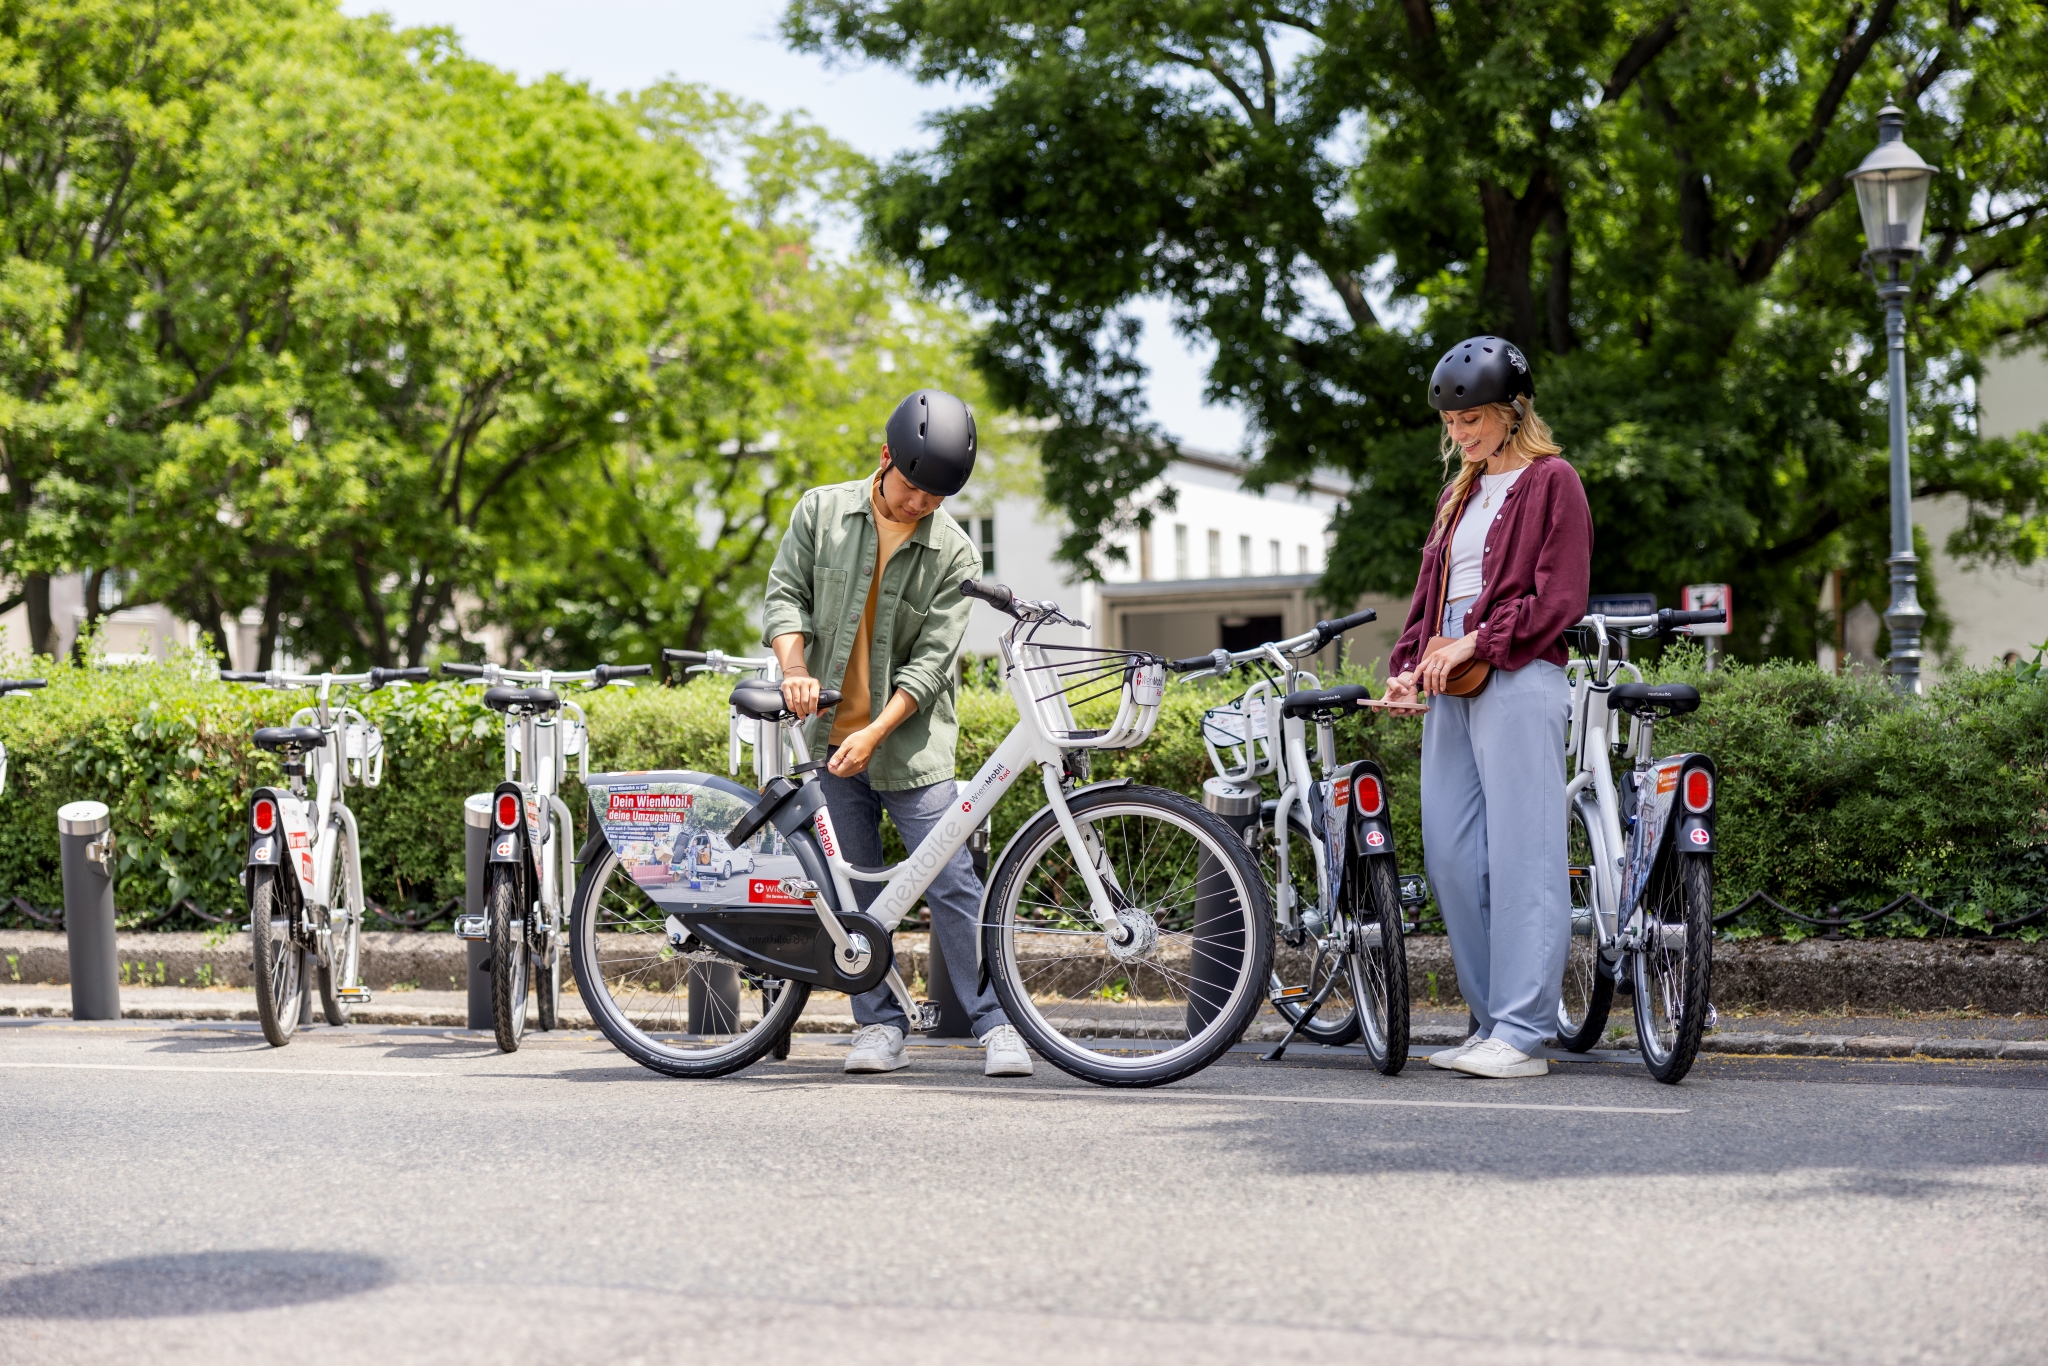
290,741
522,701
762,700
1655,699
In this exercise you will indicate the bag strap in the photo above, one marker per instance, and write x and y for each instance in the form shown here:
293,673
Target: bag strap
1443,602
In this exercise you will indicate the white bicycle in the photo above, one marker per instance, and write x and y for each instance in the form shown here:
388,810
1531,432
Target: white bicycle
528,879
309,922
1125,930
1641,856
7,686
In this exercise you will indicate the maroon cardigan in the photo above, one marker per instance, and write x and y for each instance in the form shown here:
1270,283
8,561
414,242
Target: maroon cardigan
1537,564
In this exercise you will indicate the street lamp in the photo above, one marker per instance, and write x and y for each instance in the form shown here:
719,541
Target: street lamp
1891,190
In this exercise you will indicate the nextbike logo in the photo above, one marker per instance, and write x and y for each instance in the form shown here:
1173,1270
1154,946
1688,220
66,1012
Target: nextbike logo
1374,838
1700,836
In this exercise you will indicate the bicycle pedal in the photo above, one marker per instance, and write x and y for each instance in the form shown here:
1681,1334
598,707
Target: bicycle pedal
927,1016
1291,994
353,996
472,927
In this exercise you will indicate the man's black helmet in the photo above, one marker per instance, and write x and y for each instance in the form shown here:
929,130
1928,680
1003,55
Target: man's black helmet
932,442
1480,370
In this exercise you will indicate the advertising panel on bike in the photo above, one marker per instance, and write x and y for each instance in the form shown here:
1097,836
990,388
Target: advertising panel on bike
670,833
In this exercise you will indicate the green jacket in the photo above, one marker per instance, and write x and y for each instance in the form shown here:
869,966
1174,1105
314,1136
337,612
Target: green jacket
819,586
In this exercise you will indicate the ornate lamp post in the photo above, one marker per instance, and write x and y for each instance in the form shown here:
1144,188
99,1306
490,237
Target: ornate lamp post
1891,190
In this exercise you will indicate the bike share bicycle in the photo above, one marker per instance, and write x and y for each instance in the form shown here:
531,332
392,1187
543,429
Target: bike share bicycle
314,917
1125,930
1327,846
8,686
1641,856
527,880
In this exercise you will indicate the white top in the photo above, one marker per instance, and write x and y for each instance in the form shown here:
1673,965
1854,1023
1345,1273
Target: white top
1468,541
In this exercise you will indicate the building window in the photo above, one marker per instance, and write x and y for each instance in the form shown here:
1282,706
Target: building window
1180,551
1145,553
1215,554
1274,546
1244,557
988,544
1301,556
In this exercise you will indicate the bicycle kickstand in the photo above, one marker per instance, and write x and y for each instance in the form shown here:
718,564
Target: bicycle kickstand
1315,1004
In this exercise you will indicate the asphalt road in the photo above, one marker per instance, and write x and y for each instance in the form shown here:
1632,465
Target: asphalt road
188,1194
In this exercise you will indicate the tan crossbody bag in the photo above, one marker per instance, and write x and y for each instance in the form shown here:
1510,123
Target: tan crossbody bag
1470,678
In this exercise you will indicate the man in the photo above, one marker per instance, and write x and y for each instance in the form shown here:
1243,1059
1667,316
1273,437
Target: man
865,597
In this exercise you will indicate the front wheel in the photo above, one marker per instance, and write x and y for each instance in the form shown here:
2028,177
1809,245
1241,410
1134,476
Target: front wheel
279,962
1673,969
1172,987
511,966
1588,992
1379,962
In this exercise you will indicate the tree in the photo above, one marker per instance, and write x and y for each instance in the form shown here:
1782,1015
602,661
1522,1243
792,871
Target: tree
1645,196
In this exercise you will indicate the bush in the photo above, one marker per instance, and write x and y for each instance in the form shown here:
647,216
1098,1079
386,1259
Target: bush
1833,791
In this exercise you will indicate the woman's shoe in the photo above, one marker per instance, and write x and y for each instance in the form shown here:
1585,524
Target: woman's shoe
1496,1059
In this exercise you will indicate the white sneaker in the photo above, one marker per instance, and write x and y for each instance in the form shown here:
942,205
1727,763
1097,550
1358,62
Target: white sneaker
1447,1058
1007,1056
877,1048
1496,1059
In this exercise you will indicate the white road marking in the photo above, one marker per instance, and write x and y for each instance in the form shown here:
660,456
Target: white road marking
1254,1100
175,1067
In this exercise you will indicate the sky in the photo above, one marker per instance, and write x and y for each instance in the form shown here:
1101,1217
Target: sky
732,44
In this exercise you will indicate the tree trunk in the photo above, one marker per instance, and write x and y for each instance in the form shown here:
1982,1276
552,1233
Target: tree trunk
42,634
1557,294
266,635
1512,222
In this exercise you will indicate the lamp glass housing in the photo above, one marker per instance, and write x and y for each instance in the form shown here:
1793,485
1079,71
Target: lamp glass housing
1894,206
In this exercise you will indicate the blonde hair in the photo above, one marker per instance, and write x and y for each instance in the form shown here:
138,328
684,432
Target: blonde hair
1528,436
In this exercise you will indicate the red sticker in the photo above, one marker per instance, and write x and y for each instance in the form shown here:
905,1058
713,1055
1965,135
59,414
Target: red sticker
1700,836
1343,797
767,891
1375,838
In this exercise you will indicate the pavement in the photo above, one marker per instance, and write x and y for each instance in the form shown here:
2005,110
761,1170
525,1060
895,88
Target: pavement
180,1192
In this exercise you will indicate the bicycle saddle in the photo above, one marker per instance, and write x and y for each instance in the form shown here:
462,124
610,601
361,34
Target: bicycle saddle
763,700
290,741
522,701
1309,701
1657,699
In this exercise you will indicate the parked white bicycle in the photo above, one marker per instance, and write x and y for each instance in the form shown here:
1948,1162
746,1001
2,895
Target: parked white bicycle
304,869
1641,855
1341,968
529,877
1125,930
7,686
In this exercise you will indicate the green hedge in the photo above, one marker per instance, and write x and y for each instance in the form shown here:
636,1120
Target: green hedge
1834,793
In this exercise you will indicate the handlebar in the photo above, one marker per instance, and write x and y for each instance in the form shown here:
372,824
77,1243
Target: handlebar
1330,630
1659,623
598,677
371,680
603,674
8,685
454,671
227,677
996,595
380,677
684,657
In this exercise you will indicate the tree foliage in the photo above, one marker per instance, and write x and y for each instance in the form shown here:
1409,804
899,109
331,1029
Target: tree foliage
1647,195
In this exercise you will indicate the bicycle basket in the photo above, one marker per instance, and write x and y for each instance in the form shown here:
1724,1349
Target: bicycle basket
1239,734
1061,680
362,754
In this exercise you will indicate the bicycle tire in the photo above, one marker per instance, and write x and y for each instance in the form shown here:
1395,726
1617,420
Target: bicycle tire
1336,1024
1188,869
1671,989
278,963
344,950
511,966
547,987
1587,996
1379,965
636,993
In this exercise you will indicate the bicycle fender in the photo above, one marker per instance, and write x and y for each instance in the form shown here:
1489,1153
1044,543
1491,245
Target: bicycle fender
266,851
507,846
981,916
1694,831
1370,833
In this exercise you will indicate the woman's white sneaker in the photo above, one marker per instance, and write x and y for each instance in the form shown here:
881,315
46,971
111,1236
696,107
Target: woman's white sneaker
1447,1058
1496,1059
877,1048
1006,1054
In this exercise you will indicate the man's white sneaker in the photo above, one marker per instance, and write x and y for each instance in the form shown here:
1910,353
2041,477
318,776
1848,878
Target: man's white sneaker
877,1048
1447,1058
1007,1056
1496,1059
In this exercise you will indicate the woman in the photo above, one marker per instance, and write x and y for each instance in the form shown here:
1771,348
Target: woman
1504,574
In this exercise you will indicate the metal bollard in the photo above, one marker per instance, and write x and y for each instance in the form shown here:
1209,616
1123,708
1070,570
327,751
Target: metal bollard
1217,921
85,840
476,848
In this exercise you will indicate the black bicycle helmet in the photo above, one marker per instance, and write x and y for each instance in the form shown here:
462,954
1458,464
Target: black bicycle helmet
1480,370
932,442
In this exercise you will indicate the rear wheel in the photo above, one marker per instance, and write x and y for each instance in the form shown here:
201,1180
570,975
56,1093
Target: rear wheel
636,984
1379,962
511,965
1588,986
1299,973
280,979
1673,971
1174,985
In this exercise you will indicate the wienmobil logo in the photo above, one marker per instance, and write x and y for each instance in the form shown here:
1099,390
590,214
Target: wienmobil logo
647,808
993,778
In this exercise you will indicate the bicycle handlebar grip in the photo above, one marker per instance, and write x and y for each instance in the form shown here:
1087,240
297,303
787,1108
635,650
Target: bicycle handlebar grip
228,677
683,657
603,674
1330,630
22,684
1188,666
462,671
829,697
1671,618
995,595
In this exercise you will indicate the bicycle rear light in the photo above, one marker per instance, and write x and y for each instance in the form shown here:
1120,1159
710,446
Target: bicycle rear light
264,816
1365,788
1699,790
508,811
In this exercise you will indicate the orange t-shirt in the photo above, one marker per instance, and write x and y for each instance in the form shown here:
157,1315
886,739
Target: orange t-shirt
856,707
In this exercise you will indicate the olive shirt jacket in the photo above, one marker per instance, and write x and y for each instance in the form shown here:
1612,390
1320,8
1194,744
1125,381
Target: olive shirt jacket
1534,569
818,587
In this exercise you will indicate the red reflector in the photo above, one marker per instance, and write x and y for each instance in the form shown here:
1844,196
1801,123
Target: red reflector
1699,790
264,817
508,811
1370,798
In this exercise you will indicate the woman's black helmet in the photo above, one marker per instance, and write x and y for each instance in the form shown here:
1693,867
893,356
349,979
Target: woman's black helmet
931,441
1480,370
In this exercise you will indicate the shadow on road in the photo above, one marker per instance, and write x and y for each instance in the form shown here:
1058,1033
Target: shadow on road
190,1283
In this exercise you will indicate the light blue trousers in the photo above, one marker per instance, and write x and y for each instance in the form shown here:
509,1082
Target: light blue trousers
1493,837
